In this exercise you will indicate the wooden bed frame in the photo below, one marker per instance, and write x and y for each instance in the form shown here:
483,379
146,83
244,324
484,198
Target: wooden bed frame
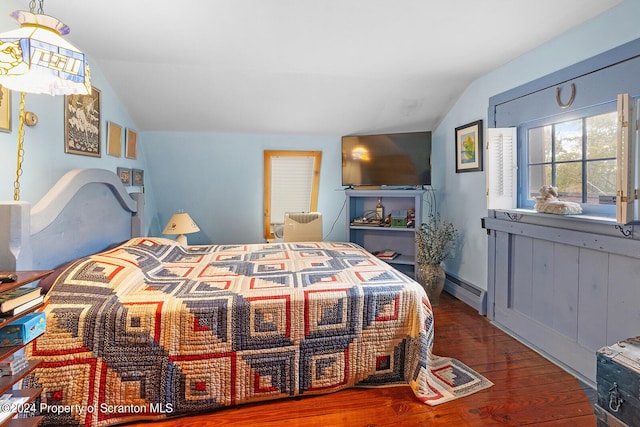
86,211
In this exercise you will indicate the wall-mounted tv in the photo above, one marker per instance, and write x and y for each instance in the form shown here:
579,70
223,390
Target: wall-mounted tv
391,159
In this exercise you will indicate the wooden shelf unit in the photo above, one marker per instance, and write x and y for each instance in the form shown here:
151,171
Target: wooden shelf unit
25,422
24,278
7,382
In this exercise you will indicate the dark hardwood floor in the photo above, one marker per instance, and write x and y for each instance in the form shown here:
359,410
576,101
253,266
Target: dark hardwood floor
528,390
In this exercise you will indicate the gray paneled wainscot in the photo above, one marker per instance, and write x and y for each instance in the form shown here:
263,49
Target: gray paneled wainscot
565,286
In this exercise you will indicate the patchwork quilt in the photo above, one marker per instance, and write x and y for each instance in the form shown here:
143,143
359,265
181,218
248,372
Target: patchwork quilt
152,329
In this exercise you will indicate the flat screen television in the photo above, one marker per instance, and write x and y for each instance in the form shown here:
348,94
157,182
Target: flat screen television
391,159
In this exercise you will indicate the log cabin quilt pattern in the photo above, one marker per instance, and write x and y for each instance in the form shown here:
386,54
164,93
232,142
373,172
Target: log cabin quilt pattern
152,329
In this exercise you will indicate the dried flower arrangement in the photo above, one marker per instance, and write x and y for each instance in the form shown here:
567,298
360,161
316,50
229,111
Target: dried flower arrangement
436,240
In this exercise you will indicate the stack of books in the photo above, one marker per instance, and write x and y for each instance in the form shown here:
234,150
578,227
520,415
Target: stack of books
387,254
19,300
9,404
14,364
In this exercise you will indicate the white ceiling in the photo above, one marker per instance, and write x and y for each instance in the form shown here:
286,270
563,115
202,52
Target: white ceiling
326,67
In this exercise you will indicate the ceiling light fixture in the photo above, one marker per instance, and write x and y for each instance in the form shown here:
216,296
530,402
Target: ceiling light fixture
36,59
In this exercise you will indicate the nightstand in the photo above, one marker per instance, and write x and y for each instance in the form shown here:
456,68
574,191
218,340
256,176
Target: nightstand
7,382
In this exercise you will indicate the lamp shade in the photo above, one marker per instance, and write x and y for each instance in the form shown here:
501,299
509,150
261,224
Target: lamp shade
181,223
36,59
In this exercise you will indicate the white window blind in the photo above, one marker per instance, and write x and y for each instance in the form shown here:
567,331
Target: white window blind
501,168
291,181
625,166
291,186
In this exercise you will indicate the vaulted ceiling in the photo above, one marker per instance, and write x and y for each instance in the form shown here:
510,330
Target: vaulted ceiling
326,67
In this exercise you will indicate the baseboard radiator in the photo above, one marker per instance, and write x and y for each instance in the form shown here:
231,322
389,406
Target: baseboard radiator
466,292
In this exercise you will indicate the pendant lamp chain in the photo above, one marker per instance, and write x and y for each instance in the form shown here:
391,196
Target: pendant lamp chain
16,184
32,7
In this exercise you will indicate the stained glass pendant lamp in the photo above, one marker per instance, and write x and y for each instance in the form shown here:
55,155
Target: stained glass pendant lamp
36,59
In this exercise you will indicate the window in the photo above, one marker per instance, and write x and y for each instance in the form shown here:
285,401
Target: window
578,156
565,124
590,159
291,181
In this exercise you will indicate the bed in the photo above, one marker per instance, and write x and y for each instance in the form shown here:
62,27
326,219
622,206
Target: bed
144,328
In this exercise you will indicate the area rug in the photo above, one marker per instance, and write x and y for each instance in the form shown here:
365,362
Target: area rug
448,379
451,379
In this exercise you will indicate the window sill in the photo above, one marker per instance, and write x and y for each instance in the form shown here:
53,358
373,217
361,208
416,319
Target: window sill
580,217
583,223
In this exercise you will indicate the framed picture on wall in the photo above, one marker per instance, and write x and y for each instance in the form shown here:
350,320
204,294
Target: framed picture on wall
114,139
82,123
131,144
125,175
138,176
5,109
469,147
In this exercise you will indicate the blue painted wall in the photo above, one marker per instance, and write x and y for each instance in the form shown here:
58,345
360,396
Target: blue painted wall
461,197
218,180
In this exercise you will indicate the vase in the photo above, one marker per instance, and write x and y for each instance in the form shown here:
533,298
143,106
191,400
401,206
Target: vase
431,277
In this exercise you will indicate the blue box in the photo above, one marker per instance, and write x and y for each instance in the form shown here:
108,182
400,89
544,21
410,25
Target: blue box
23,330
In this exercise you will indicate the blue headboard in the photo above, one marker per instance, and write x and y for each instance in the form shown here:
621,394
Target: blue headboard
86,211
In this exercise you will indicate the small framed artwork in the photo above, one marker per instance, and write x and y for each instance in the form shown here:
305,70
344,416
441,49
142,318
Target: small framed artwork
5,109
469,147
114,139
82,124
138,176
131,144
125,175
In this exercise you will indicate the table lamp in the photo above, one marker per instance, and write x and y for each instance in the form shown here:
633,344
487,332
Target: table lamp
181,224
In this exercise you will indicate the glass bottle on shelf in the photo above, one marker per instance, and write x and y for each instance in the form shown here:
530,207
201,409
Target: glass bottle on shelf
379,211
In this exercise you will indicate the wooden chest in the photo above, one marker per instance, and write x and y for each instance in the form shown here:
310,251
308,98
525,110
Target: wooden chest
618,383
